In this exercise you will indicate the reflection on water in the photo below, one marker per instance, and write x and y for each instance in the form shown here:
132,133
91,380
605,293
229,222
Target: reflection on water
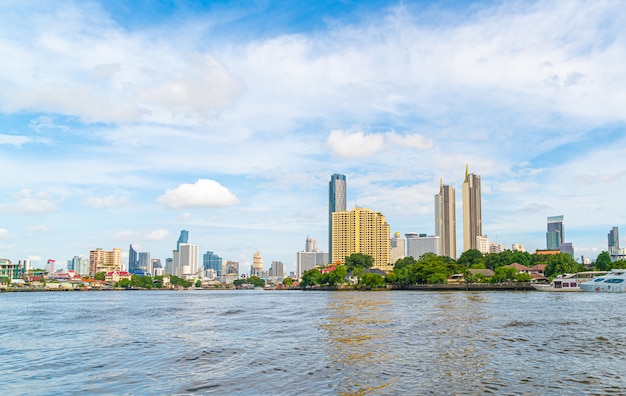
356,340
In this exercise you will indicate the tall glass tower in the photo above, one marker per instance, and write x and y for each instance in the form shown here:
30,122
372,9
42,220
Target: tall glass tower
183,238
336,203
133,262
554,236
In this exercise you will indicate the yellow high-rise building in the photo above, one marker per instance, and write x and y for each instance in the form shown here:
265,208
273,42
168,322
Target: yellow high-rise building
105,260
361,230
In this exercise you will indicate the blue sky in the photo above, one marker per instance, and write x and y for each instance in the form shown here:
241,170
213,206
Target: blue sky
124,122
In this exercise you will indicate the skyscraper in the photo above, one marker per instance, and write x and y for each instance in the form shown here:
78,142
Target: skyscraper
257,265
211,260
613,239
144,263
105,260
555,234
185,260
310,257
472,211
183,238
445,220
336,203
133,263
364,231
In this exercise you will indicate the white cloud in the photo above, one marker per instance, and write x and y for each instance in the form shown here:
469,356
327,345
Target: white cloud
107,202
157,235
14,140
359,145
35,259
355,144
125,235
31,203
3,232
204,193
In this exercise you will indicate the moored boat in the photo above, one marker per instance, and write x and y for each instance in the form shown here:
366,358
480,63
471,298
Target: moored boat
612,282
568,282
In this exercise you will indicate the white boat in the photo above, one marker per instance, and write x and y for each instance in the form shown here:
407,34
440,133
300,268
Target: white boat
568,282
612,282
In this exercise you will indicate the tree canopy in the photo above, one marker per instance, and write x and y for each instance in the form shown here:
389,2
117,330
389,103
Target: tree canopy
358,260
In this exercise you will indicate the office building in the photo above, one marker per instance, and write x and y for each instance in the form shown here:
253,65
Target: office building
133,263
396,248
185,261
518,247
419,244
211,260
310,258
361,230
445,220
105,260
144,264
556,230
336,203
232,267
80,264
277,270
257,265
183,238
613,240
472,210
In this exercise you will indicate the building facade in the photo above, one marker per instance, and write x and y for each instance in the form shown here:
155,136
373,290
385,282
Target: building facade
185,260
337,195
211,260
613,241
105,260
556,230
361,230
277,270
472,210
445,220
310,258
232,267
257,265
396,248
419,244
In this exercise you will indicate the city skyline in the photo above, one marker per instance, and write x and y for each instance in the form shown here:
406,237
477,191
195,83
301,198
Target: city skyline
125,122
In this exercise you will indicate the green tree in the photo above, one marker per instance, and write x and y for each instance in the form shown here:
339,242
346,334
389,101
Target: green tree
561,263
124,283
337,276
288,282
256,281
100,276
503,274
603,262
310,278
198,283
404,262
358,260
471,257
371,281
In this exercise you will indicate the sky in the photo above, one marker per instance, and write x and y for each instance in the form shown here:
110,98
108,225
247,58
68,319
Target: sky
124,122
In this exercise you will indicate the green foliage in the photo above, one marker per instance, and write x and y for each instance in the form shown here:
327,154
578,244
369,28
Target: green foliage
430,268
175,280
198,283
404,262
524,277
256,281
619,264
288,281
603,262
471,257
503,274
335,277
358,260
100,276
310,278
371,281
124,283
562,263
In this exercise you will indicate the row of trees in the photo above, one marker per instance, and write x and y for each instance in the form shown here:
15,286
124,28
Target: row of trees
434,269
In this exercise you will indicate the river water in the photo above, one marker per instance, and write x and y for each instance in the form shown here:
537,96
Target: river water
318,343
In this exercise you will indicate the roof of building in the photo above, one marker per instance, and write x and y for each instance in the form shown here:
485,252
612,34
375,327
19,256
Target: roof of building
518,267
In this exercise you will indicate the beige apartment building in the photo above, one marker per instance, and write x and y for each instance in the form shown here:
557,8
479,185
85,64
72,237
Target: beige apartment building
361,230
105,260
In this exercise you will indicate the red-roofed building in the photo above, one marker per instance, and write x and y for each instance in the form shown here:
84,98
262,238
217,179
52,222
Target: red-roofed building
520,268
116,276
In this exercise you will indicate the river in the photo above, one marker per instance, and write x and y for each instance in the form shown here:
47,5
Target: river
313,343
